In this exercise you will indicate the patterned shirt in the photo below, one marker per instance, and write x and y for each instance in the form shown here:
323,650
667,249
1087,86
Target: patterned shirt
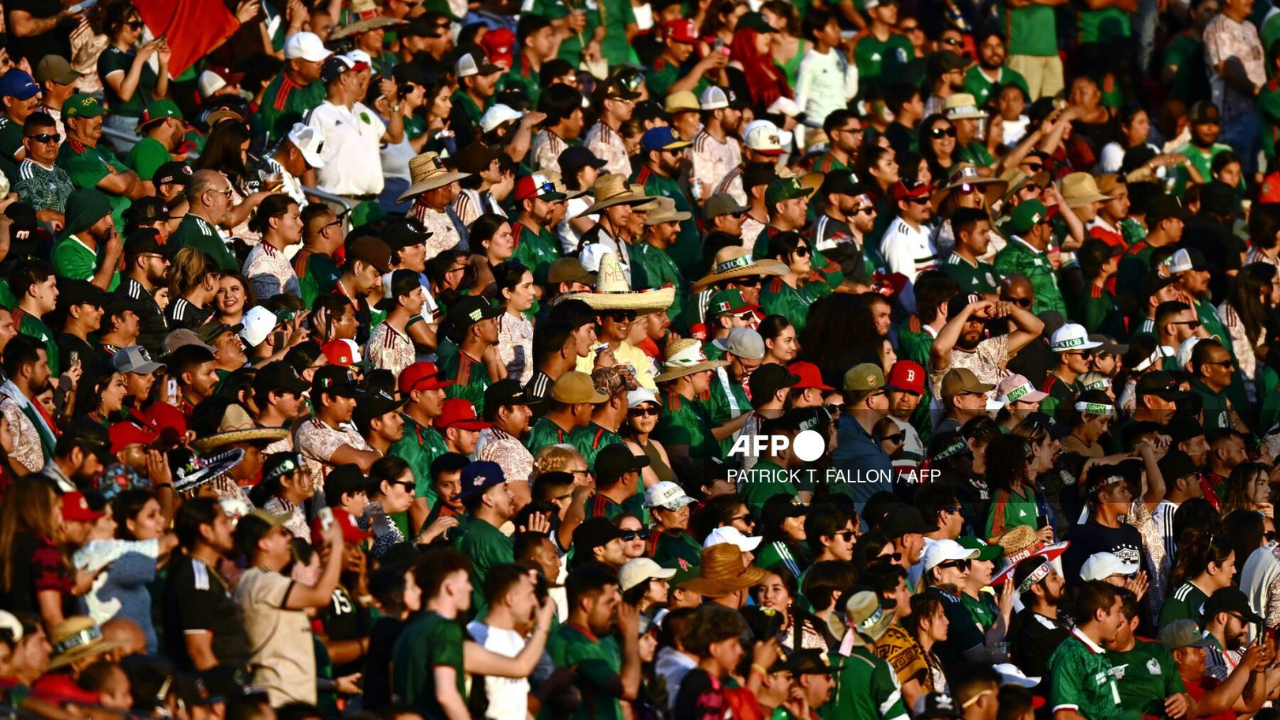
26,439
389,349
908,250
1226,40
270,272
732,184
471,204
503,448
444,236
607,145
987,363
515,346
317,442
297,522
547,147
43,188
713,160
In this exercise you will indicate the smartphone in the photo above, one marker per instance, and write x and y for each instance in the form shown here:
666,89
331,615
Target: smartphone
326,518
1041,522
75,358
173,391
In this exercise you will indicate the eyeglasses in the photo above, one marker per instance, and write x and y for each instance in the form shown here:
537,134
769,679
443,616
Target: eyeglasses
45,138
576,473
938,132
958,564
801,251
629,535
744,518
1020,302
226,192
621,315
643,412
895,438
1193,324
953,510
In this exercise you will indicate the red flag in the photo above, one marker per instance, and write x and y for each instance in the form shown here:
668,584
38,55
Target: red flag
191,27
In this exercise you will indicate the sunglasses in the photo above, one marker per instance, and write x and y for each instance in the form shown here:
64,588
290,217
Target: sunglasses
744,518
865,210
1035,168
910,29
801,251
45,138
894,438
746,281
629,535
846,535
136,24
643,412
747,315
1193,324
958,564
1270,535
890,558
917,200
1020,302
940,132
1086,354
833,409
621,315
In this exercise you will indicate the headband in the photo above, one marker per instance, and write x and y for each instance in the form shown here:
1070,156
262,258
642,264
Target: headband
1095,408
1041,571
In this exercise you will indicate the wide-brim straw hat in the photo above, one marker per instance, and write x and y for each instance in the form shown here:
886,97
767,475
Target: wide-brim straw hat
722,572
612,190
685,357
237,427
1015,179
76,638
427,172
1021,543
202,469
966,174
735,262
613,293
361,26
1081,189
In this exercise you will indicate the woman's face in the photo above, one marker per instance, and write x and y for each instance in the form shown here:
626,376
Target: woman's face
886,169
412,593
773,594
307,573
887,356
784,347
244,151
648,647
1138,129
923,175
800,262
634,547
1085,93
148,524
521,296
763,41
980,572
230,296
793,528
643,418
131,30
105,527
1258,489
1011,103
441,106
114,393
942,137
1230,174
741,520
501,245
659,590
673,519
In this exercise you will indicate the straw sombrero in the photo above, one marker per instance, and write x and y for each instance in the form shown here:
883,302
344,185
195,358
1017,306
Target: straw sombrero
237,427
428,173
76,638
1021,543
361,26
685,357
612,190
613,293
723,572
734,262
1015,179
966,174
201,469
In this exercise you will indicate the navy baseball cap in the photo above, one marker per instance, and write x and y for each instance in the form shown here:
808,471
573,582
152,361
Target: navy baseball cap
480,475
662,138
18,84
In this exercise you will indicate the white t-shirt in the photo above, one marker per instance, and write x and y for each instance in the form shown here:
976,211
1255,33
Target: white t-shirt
508,697
352,138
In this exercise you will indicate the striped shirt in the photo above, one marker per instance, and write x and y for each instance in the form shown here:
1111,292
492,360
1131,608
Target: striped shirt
471,204
182,314
547,147
732,184
1163,518
908,250
389,349
608,146
713,160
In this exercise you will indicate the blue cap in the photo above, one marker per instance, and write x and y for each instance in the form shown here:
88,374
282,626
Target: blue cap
662,138
480,475
18,84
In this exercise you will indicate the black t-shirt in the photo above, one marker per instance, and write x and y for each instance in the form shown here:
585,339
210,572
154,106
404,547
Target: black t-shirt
90,365
34,48
345,619
1032,639
1092,537
963,633
377,663
151,318
700,698
196,599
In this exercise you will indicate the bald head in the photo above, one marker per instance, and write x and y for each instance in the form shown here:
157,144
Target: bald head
1018,289
209,194
127,632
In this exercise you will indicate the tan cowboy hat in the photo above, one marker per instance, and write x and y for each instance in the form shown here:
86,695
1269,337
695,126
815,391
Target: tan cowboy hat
237,427
613,293
612,190
965,174
723,571
361,26
685,357
1015,179
1081,189
428,173
963,106
868,614
76,638
735,262
662,210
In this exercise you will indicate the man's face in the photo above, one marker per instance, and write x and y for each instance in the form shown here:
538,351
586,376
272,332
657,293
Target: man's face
1217,367
1078,362
1112,622
449,488
1205,134
614,553
841,544
201,380
794,210
679,51
584,339
902,403
978,239
392,426
341,407
916,210
991,52
414,257
85,129
602,611
500,499
230,350
880,312
41,144
307,70
1195,282
848,137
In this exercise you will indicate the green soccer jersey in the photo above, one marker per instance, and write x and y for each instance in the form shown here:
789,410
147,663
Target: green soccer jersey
486,546
1033,31
284,103
1017,257
677,551
194,231
877,59
473,111
419,447
1081,680
1208,317
317,274
978,154
977,277
779,298
1062,394
728,400
763,481
1203,162
535,251
544,433
1216,406
524,77
590,440
652,267
597,661
87,167
10,146
977,84
1096,310
427,642
470,379
1103,26
1184,603
1010,510
32,326
1185,52
146,157
1145,675
867,689
684,422
43,188
686,251
73,259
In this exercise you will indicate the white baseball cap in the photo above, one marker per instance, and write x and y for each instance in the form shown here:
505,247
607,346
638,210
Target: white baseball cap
713,98
496,116
310,142
1072,337
10,623
210,82
1103,565
1185,350
666,495
359,56
940,551
305,46
732,536
258,324
1011,674
765,137
641,569
640,396
474,64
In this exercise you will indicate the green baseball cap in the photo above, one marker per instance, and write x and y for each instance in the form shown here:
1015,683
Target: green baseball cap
863,378
1028,215
782,189
82,105
985,551
729,301
158,110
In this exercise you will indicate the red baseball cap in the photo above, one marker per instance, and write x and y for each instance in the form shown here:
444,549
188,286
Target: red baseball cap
351,532
810,376
59,689
901,191
341,352
124,434
498,45
681,30
421,376
906,375
461,414
76,509
162,418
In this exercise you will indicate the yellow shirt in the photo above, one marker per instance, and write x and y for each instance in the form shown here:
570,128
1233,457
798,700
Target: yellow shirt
626,354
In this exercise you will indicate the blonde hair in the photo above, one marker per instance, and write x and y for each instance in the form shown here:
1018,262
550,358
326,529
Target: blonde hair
188,270
555,458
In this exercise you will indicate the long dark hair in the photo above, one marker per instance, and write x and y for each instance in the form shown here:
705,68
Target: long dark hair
1245,297
1198,547
926,148
839,333
1246,529
222,153
1007,462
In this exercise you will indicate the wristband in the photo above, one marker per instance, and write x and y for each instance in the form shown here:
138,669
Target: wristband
759,669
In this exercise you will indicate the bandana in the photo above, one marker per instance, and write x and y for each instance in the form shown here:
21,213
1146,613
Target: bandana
1040,573
1095,408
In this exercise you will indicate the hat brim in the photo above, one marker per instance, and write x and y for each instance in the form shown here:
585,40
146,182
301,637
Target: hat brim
681,372
624,199
238,436
362,26
719,588
1076,202
465,425
83,651
146,368
1051,553
995,190
650,301
772,268
434,183
968,114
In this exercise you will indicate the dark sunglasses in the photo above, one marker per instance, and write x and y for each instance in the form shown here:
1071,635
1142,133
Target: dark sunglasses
621,315
136,24
917,200
910,29
891,558
1270,535
896,437
45,138
939,132
833,409
1086,354
1193,324
1020,302
753,281
801,251
643,412
846,535
629,535
865,210
958,564
744,518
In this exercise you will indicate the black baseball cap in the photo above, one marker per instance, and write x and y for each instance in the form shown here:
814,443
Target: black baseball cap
960,301
335,380
842,182
1176,464
375,405
1165,206
280,464
576,157
148,210
756,174
347,478
507,392
79,292
1057,430
1162,385
1229,600
172,173
768,379
1183,427
403,282
904,520
617,460
593,533
279,376
469,310
90,435
401,233
145,241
